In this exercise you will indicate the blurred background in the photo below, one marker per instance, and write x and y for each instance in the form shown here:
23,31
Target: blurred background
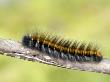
83,20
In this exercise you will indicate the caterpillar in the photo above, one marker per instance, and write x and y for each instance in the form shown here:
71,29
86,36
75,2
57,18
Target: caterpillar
58,47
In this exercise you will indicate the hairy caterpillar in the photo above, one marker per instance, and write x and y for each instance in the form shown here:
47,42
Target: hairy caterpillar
60,48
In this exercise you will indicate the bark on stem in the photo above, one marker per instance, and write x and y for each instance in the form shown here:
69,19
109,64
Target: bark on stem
15,49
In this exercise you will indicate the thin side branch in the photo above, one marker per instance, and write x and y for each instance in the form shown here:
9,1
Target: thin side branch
15,49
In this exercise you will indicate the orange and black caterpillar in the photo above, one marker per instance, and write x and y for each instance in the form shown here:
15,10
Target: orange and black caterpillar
56,47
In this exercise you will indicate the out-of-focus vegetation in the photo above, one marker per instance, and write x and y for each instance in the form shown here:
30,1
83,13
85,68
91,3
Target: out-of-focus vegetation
85,20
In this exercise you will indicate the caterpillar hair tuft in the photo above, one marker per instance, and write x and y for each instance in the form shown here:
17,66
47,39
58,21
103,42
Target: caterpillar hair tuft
57,47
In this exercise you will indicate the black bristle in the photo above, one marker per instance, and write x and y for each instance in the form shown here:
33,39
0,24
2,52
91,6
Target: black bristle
26,40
